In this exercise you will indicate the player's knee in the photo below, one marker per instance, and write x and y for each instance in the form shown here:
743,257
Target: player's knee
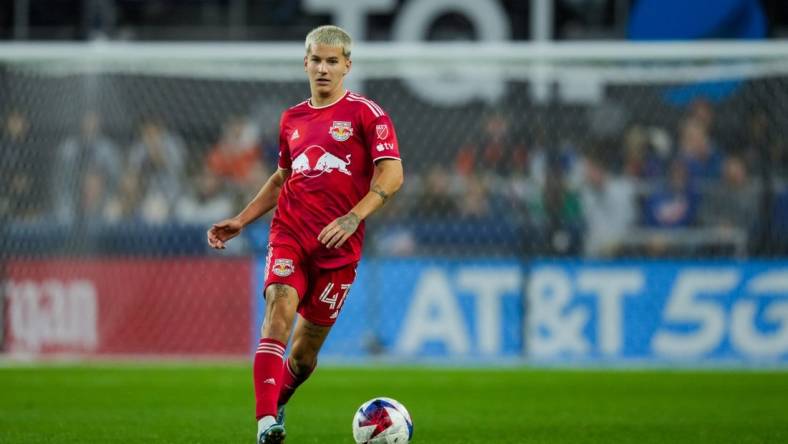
276,327
303,363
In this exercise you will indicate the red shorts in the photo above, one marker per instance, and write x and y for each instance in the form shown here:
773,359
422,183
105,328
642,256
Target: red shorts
322,292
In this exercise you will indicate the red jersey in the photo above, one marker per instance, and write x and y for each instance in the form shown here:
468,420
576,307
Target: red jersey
331,153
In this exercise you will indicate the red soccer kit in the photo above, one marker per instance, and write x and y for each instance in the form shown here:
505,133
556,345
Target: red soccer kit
331,153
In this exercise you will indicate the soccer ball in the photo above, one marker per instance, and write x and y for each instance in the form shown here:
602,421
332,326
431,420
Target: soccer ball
382,421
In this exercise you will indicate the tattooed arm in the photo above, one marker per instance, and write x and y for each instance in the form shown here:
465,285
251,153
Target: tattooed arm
386,181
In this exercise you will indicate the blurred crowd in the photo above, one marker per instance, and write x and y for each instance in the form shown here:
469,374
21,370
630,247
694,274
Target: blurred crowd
650,190
89,179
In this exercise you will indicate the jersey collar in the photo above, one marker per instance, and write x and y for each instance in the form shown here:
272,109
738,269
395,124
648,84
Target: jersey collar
309,102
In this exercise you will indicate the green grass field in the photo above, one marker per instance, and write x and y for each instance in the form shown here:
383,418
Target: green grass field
214,403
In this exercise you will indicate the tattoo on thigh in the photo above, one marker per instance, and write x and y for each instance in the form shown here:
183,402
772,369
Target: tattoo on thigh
280,291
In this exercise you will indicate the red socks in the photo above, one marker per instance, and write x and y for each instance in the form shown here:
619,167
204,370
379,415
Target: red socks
290,382
274,380
268,379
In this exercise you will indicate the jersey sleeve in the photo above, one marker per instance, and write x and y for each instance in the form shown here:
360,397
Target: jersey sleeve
284,146
381,138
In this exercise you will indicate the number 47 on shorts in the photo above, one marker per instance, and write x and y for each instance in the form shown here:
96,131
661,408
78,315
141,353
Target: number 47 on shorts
334,300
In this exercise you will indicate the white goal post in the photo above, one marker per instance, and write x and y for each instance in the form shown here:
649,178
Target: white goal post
594,64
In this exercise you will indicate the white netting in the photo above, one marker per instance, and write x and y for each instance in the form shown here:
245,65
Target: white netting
511,151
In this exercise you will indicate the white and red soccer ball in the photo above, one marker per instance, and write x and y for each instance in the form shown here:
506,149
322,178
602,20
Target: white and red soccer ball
382,421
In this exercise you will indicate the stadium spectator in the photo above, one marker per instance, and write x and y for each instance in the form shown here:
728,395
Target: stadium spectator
494,142
762,147
518,188
476,201
545,158
640,161
156,166
85,174
123,206
465,165
696,150
733,203
339,162
517,163
609,210
22,191
557,213
675,203
237,157
436,199
702,112
205,201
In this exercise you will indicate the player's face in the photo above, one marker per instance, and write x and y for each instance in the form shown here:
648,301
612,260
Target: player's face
326,67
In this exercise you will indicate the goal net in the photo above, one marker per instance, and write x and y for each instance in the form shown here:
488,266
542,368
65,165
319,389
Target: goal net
117,157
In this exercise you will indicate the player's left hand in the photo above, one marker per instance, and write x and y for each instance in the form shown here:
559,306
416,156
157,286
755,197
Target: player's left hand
337,232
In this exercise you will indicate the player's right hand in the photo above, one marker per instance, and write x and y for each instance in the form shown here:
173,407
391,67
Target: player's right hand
223,231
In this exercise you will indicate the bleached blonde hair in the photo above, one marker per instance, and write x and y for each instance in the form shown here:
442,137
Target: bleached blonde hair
330,35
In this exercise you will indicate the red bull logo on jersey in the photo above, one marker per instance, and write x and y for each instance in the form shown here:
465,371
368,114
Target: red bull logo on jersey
340,130
315,160
283,267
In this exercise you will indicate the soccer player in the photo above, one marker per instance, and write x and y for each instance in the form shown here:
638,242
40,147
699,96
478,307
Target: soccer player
338,163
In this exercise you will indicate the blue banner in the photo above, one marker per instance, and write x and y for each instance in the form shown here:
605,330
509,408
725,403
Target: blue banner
430,309
565,312
662,312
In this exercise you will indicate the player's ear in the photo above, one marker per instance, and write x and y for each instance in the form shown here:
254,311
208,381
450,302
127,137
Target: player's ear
348,65
305,61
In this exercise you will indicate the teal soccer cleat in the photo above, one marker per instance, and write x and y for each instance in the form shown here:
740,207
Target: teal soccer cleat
280,415
269,431
272,435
